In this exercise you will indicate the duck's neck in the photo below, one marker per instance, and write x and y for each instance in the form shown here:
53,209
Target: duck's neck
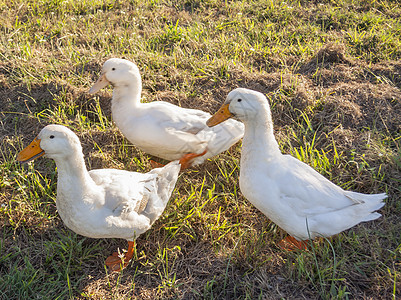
73,177
259,140
126,101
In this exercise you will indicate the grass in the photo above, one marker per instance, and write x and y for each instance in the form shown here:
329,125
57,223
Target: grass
332,73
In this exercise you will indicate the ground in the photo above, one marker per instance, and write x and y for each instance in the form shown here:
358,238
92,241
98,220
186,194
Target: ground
331,71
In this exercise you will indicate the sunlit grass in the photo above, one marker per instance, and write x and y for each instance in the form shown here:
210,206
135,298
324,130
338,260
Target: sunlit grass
210,242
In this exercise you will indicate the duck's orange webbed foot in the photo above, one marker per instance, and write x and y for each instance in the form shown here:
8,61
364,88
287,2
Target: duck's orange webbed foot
155,164
185,161
291,244
118,262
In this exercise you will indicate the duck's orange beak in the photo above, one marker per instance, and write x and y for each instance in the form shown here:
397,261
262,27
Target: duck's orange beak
31,152
221,115
99,84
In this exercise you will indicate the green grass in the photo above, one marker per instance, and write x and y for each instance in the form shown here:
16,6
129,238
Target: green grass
331,71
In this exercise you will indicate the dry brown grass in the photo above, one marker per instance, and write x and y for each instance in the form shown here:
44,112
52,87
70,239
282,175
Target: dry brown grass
340,90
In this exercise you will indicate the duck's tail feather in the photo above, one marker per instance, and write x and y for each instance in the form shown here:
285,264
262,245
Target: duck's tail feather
361,198
220,138
166,179
363,210
368,203
372,216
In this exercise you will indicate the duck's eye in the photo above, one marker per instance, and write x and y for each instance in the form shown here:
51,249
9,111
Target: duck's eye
239,100
113,69
52,136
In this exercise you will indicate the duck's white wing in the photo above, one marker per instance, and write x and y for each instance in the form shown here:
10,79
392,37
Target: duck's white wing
186,130
181,119
165,130
123,189
315,193
134,201
298,199
327,207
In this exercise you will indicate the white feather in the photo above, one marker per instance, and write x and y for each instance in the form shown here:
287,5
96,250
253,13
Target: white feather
105,203
160,128
289,192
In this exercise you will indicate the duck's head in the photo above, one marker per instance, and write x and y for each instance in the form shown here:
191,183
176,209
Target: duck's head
54,141
117,72
241,103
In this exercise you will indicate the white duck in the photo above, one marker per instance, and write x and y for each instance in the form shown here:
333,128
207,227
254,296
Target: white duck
160,128
103,203
289,192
